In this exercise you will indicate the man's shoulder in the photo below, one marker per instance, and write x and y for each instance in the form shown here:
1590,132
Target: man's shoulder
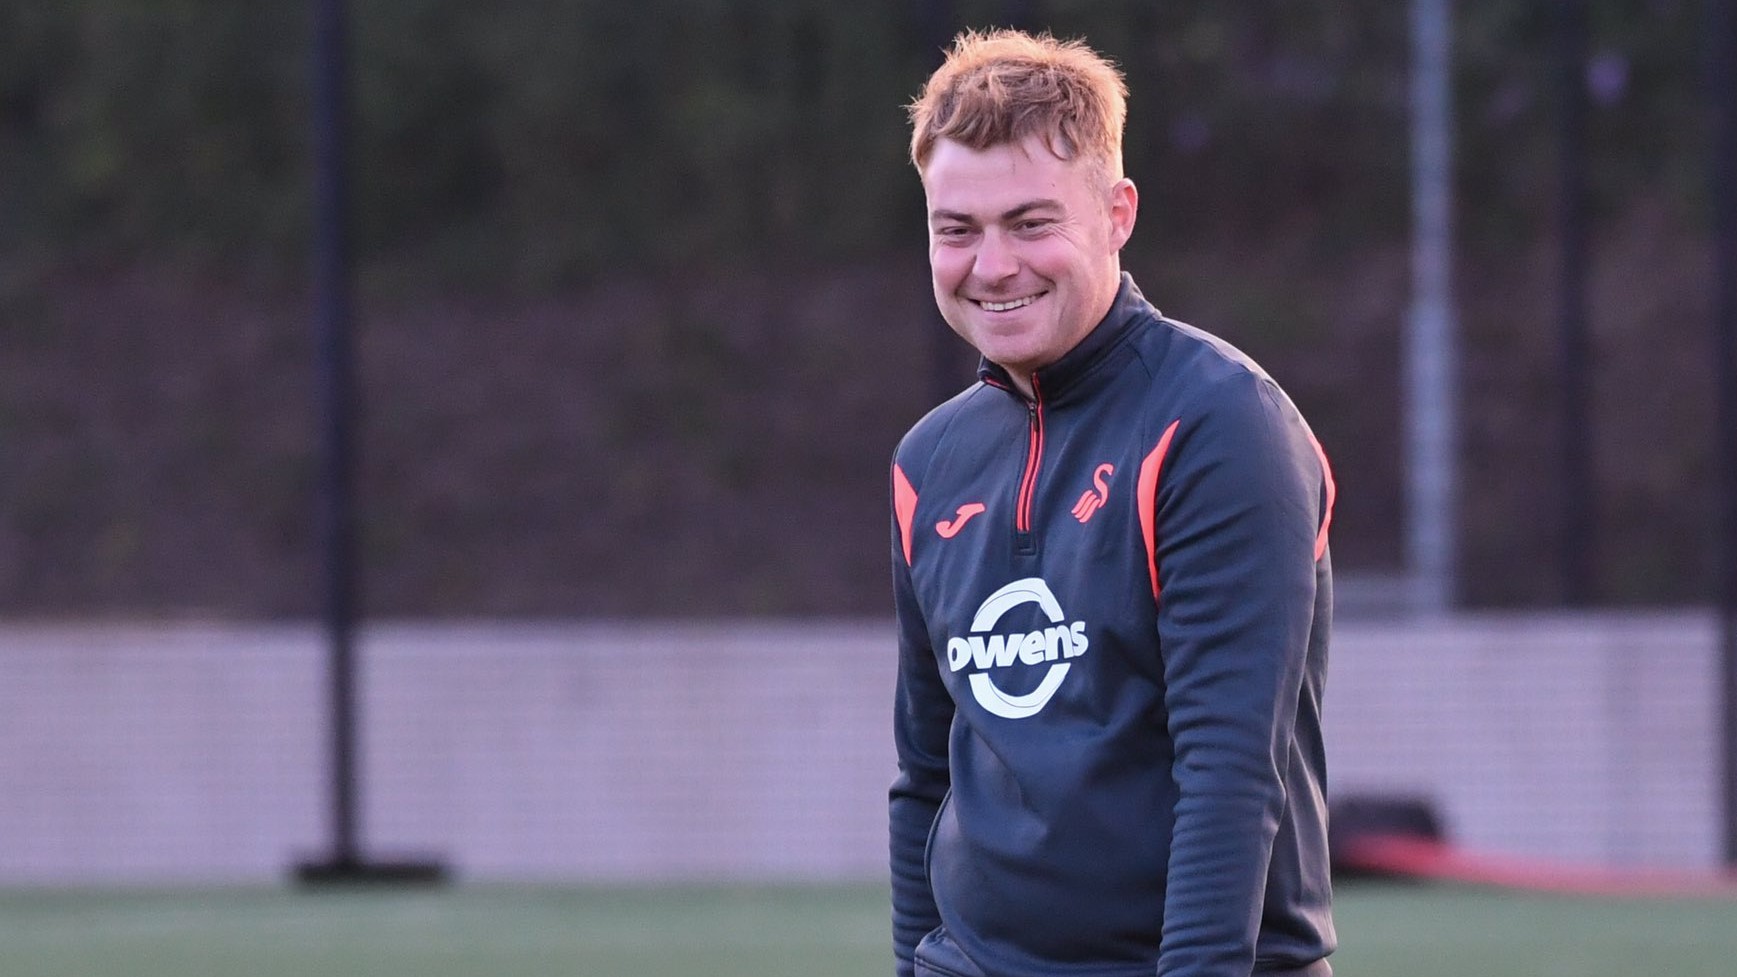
919,443
1196,363
1209,384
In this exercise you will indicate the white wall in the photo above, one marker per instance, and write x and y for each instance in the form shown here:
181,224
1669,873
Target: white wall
1593,738
758,750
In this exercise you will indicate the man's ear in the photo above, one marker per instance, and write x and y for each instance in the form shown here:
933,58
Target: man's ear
1124,208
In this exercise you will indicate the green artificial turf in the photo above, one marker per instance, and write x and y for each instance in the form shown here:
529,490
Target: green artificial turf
802,931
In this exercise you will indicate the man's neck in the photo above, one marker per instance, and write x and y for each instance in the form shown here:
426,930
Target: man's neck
1021,377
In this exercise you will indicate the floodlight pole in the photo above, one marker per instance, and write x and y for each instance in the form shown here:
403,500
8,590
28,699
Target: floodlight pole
1431,348
331,283
1722,88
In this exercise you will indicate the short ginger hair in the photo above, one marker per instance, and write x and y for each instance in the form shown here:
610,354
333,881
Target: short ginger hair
1005,86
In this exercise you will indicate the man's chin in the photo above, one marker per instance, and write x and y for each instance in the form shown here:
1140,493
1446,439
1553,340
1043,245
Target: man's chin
1016,361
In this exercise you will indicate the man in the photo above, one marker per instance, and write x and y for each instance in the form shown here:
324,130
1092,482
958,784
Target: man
1111,577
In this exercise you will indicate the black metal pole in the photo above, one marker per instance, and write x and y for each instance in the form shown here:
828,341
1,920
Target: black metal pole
1722,89
950,366
337,522
1577,489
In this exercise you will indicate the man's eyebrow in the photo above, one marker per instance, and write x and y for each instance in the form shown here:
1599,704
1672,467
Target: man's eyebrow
951,215
1029,206
1012,214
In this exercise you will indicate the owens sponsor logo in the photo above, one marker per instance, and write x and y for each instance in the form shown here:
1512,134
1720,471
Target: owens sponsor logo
982,651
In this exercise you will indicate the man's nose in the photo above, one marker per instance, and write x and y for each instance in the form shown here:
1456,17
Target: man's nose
995,259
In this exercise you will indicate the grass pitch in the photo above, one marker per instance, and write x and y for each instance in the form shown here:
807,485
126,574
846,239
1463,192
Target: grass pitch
484,931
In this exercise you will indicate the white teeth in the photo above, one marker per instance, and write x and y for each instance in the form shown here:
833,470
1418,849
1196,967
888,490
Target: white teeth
1004,306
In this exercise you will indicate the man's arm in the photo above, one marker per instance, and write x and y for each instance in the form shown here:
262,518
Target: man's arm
922,717
1238,512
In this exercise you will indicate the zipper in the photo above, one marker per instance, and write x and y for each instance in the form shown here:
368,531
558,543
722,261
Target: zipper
1033,461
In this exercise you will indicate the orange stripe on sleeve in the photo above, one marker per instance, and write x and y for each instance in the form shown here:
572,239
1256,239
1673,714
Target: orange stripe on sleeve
904,507
1332,493
1148,497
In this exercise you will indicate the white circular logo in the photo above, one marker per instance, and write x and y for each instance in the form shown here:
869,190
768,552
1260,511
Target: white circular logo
982,650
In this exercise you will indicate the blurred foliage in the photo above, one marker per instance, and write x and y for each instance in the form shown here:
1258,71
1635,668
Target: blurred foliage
716,193
537,142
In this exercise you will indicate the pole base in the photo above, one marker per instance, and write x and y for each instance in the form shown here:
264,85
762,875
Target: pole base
355,871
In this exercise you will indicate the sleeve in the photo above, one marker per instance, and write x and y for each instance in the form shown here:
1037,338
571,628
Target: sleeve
922,718
1238,512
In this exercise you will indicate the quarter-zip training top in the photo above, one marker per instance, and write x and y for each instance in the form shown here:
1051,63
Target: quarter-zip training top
1113,601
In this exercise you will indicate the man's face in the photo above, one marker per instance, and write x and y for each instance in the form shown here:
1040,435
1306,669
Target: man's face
1023,246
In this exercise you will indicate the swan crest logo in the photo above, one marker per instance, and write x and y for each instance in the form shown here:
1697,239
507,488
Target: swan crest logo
982,651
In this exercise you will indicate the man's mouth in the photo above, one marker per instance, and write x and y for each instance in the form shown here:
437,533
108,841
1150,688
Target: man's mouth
1008,306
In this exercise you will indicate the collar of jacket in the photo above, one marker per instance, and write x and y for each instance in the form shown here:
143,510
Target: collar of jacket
1064,377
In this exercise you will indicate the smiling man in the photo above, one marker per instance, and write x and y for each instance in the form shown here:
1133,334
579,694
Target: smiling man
1111,577
1024,247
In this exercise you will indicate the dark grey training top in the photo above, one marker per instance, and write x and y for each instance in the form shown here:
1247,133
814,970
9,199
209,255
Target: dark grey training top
1114,602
